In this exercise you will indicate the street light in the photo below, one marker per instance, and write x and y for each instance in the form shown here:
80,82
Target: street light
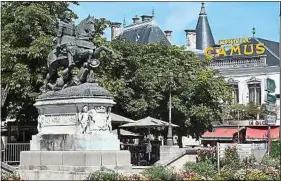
170,80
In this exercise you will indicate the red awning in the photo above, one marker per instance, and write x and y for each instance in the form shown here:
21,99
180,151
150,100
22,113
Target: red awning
220,132
261,133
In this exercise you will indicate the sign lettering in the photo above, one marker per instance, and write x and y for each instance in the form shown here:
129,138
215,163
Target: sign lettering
236,48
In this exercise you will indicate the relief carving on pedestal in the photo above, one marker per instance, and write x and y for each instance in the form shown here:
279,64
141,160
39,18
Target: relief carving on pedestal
97,119
40,124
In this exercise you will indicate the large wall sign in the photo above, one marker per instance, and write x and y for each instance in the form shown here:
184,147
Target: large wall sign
235,47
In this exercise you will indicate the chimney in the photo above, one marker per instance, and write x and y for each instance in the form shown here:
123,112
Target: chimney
168,34
135,20
115,30
190,36
145,18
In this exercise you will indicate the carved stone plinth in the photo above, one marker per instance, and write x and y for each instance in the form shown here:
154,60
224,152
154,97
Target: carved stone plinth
75,118
70,165
101,140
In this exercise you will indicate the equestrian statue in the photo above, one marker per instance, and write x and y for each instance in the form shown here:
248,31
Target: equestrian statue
73,47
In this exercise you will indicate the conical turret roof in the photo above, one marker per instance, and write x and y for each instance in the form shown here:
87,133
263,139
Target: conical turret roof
204,36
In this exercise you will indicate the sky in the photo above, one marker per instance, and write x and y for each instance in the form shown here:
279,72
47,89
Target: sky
227,19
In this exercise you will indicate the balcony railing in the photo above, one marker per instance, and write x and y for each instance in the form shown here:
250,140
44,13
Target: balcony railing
238,61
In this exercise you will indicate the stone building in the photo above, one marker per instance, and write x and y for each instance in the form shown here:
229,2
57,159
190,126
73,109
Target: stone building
246,73
144,30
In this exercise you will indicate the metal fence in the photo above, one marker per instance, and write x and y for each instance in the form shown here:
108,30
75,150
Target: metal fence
11,153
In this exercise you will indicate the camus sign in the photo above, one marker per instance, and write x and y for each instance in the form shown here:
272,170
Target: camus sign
235,47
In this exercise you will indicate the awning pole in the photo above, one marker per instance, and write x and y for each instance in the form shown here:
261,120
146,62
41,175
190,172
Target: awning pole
149,144
269,139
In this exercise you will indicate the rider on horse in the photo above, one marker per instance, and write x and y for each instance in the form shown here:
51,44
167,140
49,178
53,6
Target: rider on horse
66,38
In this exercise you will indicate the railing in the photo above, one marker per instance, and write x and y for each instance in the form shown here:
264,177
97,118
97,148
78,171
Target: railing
11,153
238,62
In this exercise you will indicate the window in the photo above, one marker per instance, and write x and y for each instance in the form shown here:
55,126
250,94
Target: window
235,91
255,93
235,94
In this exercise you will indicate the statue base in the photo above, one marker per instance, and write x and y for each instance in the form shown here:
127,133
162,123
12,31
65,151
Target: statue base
61,150
71,165
100,140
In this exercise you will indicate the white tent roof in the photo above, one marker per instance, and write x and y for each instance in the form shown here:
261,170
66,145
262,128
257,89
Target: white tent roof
148,122
125,132
115,118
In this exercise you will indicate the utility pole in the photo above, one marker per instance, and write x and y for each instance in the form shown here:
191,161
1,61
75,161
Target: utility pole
270,118
238,127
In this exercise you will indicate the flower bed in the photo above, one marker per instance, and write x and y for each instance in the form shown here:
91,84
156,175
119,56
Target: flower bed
232,168
10,176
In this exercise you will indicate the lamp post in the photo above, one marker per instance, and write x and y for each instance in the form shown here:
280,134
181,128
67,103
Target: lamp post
170,80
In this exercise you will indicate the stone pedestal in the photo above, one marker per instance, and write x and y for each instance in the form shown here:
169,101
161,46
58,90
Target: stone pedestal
70,165
74,138
75,142
64,114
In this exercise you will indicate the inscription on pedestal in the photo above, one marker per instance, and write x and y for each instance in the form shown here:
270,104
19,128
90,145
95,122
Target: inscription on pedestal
61,119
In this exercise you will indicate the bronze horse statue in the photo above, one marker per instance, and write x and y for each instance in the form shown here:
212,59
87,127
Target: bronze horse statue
84,56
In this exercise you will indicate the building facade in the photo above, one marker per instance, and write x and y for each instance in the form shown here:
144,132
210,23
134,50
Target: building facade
243,68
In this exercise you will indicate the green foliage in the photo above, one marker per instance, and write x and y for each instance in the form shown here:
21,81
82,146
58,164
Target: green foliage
204,168
270,161
231,159
131,76
252,110
275,149
103,175
10,176
100,25
28,29
249,111
204,155
158,173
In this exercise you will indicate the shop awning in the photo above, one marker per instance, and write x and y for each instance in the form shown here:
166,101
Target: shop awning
261,133
220,134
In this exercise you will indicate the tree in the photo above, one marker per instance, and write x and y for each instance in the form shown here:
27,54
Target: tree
131,76
27,32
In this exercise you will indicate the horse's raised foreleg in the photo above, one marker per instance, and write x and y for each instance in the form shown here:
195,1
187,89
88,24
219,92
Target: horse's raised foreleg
90,52
101,48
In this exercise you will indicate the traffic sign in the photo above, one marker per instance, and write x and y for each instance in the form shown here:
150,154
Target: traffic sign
271,108
270,85
270,119
271,98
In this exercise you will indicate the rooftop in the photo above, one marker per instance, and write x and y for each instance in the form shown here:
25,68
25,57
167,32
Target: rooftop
146,31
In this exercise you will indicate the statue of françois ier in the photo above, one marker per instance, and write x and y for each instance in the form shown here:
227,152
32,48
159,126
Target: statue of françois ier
73,47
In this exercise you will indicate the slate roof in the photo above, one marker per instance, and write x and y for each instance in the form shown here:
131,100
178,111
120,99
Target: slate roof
271,51
144,32
204,36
